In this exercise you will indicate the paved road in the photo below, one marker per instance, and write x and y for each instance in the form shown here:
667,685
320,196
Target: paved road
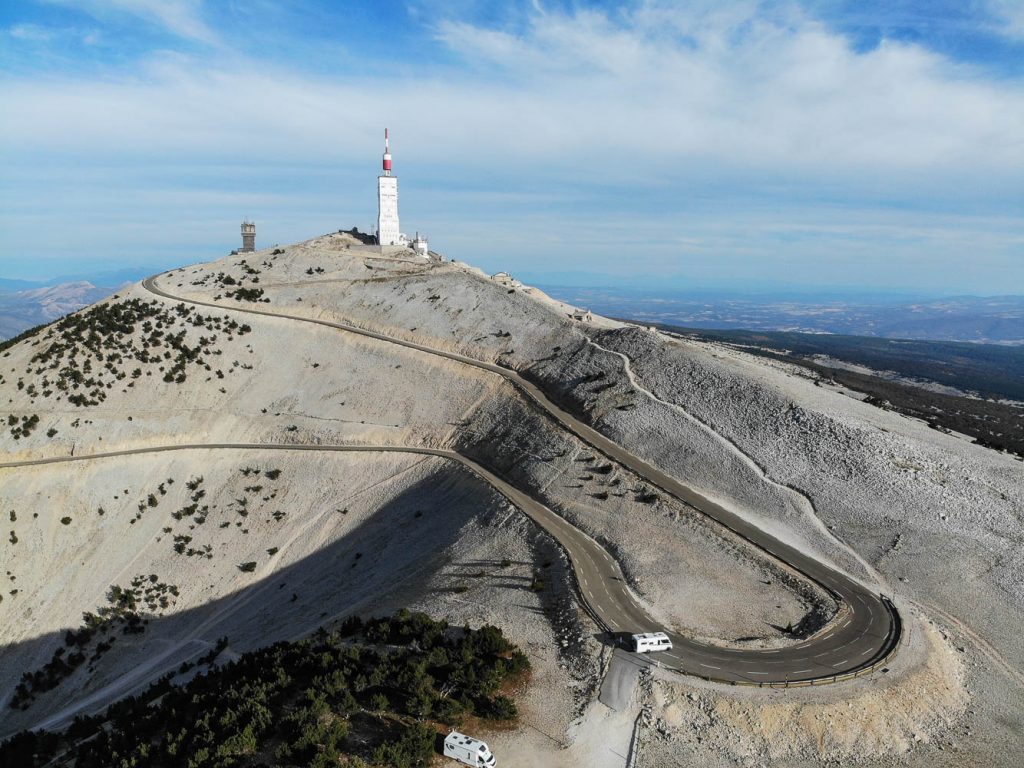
620,679
866,630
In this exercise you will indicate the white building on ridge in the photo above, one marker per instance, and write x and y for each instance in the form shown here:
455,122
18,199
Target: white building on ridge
420,246
388,232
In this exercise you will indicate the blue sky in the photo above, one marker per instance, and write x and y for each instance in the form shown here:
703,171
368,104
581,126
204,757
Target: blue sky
751,145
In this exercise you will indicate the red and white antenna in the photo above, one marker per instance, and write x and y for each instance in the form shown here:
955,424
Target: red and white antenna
387,155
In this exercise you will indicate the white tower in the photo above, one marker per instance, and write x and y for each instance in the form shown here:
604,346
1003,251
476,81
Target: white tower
387,202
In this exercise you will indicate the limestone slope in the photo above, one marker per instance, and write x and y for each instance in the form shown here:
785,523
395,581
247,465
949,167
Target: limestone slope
276,554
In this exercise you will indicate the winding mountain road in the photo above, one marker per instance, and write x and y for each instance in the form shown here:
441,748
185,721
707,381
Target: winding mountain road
599,578
865,632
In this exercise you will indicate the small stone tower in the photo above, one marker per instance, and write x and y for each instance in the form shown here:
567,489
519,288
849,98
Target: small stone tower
248,237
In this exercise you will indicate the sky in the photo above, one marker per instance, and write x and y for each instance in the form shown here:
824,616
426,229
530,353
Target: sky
823,146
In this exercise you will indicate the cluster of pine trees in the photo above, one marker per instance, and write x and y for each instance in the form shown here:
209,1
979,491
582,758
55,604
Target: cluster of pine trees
378,692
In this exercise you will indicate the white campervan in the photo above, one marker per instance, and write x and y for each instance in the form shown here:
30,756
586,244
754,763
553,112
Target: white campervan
467,750
651,641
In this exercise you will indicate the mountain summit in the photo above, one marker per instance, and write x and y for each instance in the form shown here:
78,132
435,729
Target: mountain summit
266,444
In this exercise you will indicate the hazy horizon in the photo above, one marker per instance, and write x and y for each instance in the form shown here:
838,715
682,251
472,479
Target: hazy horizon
585,282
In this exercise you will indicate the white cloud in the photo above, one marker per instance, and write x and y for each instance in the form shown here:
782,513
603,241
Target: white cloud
744,89
657,92
30,32
54,36
1010,15
179,17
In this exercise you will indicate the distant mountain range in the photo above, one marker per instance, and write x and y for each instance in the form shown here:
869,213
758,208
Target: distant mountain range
28,303
20,310
991,319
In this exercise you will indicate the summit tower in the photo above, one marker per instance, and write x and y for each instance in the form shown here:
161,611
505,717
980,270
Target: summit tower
248,237
388,232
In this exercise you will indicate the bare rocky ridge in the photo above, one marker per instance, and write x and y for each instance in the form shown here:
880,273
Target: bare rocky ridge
891,502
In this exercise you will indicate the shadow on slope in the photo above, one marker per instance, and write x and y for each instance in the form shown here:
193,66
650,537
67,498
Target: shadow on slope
386,561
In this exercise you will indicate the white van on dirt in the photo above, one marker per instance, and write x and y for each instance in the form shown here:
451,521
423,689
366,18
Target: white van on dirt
647,642
467,750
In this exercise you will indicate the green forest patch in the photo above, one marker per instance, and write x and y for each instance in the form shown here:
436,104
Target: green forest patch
375,693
